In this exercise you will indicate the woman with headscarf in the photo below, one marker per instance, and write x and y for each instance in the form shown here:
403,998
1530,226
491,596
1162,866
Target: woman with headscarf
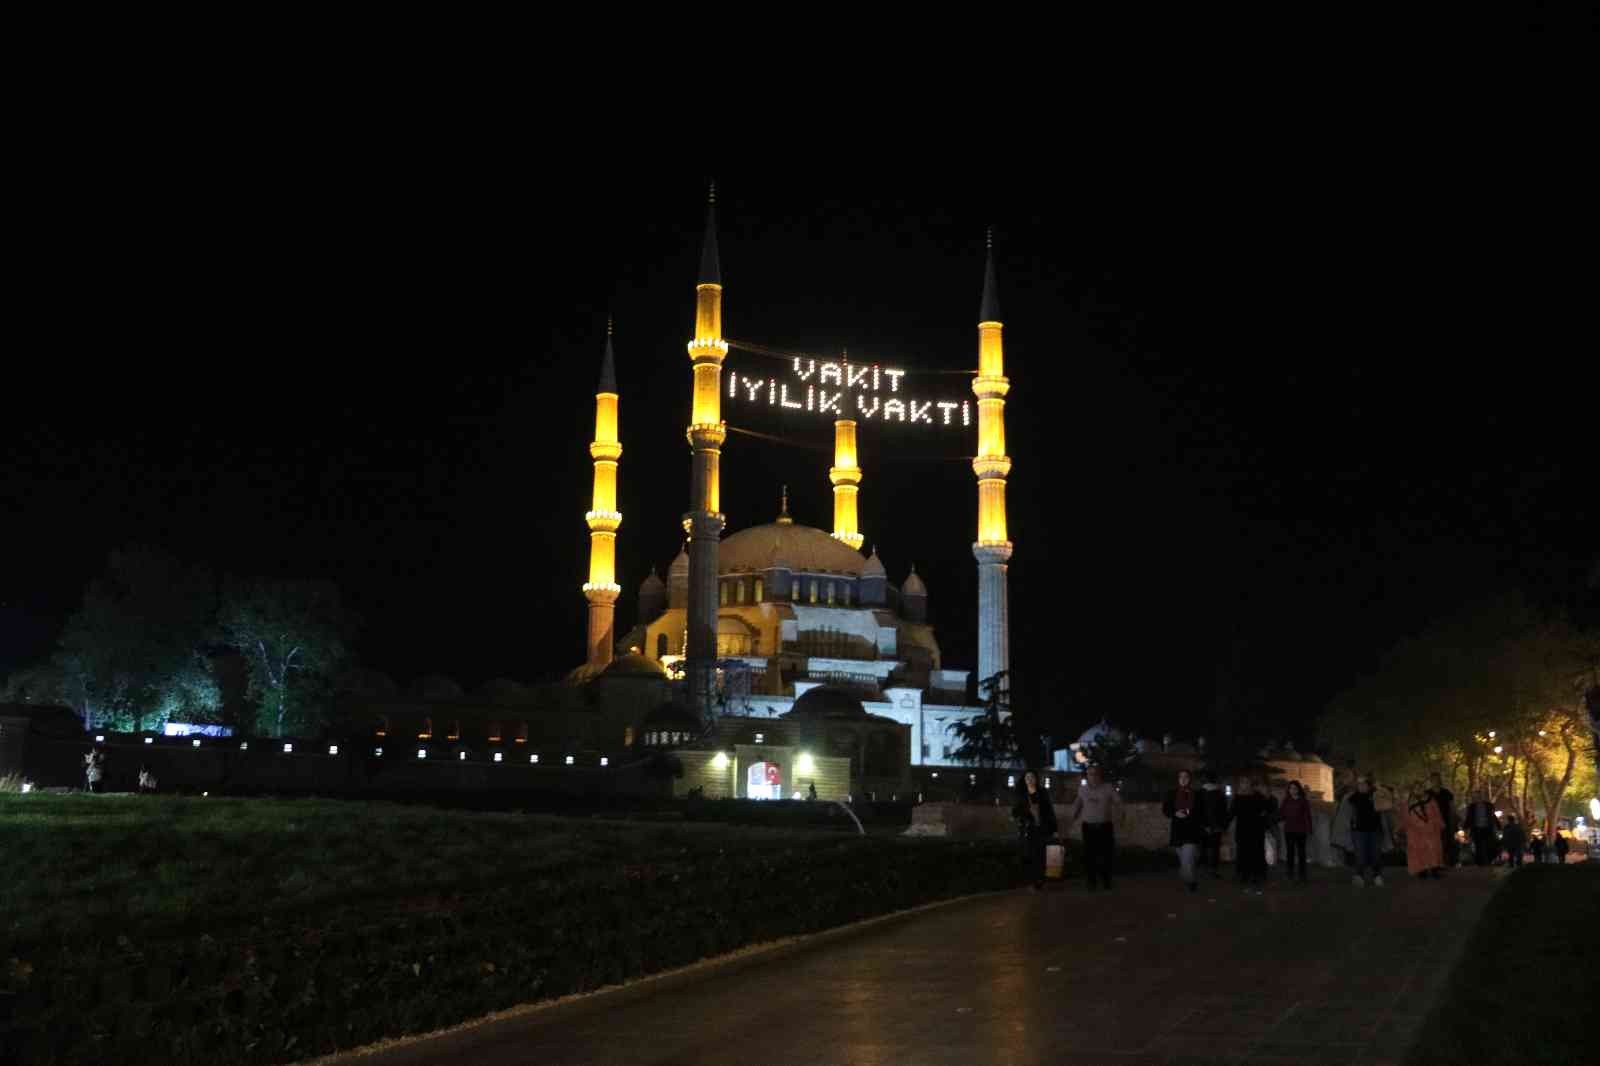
1424,847
1036,825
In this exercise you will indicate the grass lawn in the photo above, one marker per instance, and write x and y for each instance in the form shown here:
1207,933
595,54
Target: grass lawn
1526,988
188,930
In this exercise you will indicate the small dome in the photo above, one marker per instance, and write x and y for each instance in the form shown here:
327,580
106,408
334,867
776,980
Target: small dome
1101,729
437,687
502,692
874,566
827,701
914,585
680,566
672,716
632,665
652,584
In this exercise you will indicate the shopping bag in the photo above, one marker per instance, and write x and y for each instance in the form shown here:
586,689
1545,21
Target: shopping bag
1055,860
1272,851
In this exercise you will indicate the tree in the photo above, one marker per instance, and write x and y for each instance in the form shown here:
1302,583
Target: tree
132,652
988,739
1114,752
294,636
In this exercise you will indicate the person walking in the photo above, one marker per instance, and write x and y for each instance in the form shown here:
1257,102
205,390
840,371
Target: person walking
1514,841
93,770
1445,800
1484,827
1366,832
1036,825
1536,847
1214,821
1561,846
1419,817
1250,816
1093,807
1296,815
1182,807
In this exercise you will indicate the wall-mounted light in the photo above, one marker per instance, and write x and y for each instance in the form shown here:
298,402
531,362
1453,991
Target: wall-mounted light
719,761
287,748
805,764
149,740
333,749
569,760
497,756
604,761
196,742
533,758
422,753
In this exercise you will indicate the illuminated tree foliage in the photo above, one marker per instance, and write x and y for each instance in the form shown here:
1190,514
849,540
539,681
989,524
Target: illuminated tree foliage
132,655
294,635
1491,699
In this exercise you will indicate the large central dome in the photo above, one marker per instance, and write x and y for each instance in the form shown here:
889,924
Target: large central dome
802,549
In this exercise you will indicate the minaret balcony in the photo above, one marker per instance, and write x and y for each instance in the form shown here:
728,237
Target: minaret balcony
992,551
602,591
990,388
606,450
702,435
991,467
855,540
708,350
844,475
603,521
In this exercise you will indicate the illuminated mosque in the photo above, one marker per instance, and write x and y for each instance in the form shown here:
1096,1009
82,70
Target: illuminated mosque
779,659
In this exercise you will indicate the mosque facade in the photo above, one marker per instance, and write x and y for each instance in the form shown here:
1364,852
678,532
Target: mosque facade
766,629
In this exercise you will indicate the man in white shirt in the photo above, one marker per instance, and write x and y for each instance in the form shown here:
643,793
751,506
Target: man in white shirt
1095,805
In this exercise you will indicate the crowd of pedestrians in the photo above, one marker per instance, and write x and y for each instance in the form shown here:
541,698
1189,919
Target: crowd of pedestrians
1367,823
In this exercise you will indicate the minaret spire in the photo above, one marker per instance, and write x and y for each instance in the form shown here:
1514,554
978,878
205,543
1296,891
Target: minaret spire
710,264
602,589
706,434
783,511
993,548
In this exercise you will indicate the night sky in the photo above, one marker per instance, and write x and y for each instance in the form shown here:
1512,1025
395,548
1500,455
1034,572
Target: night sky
1268,416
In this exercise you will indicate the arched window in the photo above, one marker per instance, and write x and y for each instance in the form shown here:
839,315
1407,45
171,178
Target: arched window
830,594
794,589
738,591
844,591
627,737
661,645
761,591
494,732
427,729
722,593
813,590
455,730
522,733
383,725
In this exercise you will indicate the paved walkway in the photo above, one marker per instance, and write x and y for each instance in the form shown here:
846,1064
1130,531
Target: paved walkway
1310,975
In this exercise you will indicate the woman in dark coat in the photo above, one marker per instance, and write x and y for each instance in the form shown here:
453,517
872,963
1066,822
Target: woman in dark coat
1036,824
1250,816
1182,807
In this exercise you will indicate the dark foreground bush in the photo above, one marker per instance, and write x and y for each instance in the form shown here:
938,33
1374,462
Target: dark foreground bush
141,930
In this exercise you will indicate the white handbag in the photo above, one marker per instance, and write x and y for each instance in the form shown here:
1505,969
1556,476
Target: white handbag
1272,851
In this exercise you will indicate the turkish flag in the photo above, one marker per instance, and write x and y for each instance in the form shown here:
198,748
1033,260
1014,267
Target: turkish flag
774,775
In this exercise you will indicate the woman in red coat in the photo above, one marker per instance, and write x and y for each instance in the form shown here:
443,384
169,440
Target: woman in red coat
1296,816
1424,846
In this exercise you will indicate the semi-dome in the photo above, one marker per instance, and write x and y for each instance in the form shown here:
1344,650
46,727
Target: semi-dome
652,584
634,665
680,565
827,701
913,585
874,565
803,549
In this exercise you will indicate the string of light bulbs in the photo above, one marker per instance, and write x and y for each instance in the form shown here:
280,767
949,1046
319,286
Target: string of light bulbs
872,459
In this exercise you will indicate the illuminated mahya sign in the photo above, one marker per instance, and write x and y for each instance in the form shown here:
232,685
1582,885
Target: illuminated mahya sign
843,390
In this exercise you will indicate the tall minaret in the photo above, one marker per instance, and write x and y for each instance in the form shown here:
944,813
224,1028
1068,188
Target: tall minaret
992,549
706,433
846,477
602,589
